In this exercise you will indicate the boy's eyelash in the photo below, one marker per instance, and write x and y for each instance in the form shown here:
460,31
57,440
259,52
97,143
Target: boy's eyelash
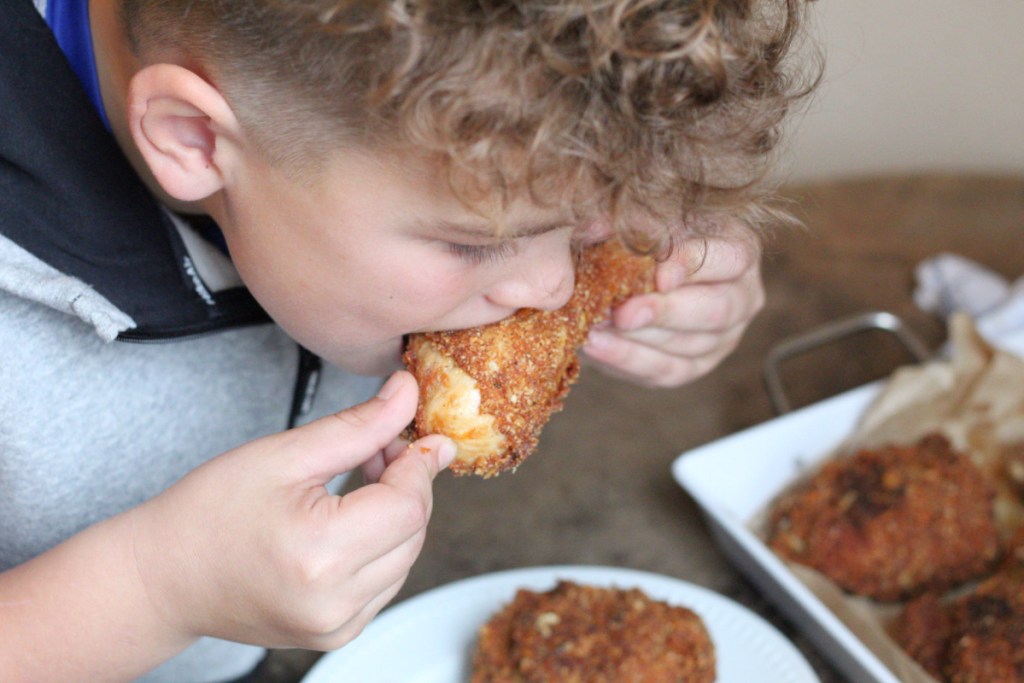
482,253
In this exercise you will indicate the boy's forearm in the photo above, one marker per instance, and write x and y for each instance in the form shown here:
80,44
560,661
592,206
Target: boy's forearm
80,612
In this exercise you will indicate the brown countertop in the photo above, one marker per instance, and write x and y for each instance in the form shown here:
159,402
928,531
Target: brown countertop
599,490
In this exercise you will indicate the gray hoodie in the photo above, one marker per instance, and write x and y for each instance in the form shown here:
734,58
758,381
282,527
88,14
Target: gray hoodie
90,427
129,351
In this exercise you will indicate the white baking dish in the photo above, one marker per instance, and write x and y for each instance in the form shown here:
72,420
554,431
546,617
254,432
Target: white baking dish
735,478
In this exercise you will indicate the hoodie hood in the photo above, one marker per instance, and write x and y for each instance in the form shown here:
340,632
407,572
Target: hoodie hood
82,233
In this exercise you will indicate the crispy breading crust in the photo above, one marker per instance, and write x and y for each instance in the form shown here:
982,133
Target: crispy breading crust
923,629
977,637
522,366
585,634
988,637
892,523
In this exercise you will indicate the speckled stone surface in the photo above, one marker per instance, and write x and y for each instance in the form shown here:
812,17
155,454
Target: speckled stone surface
599,490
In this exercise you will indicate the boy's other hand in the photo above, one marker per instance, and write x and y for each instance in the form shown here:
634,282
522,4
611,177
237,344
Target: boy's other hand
708,292
251,546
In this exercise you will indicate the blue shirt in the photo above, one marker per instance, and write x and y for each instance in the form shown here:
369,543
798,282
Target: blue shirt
69,21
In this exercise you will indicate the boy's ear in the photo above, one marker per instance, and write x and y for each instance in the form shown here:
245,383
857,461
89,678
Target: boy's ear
184,129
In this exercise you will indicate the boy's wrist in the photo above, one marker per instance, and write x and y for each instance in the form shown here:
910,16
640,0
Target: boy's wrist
156,632
158,575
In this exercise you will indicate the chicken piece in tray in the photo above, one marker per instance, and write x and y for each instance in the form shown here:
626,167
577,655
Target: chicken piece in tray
891,523
493,388
975,637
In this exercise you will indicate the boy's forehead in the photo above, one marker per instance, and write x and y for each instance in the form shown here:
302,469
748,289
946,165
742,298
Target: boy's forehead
482,210
442,207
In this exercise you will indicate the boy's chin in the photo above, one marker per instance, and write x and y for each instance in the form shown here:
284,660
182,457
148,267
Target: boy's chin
376,361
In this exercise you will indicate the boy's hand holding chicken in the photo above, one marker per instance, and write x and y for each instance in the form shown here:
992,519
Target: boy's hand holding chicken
707,293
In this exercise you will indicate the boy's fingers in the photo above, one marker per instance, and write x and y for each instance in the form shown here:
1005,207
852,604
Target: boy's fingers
412,473
343,441
436,452
708,260
697,308
382,516
375,466
353,626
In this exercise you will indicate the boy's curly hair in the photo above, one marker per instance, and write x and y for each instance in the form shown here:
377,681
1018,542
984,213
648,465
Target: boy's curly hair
645,109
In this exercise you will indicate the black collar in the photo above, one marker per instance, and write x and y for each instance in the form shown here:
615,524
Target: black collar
69,196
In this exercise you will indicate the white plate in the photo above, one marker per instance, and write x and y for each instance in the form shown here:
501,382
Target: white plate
735,478
430,638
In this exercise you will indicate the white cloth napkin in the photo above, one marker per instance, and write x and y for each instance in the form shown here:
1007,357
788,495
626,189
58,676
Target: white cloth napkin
948,283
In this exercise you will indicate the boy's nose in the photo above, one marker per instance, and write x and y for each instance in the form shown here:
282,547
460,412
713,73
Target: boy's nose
546,283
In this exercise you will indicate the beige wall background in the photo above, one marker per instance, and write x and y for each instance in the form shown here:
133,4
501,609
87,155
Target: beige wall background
913,85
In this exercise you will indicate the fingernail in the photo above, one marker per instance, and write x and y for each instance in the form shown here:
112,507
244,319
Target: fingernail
446,453
390,387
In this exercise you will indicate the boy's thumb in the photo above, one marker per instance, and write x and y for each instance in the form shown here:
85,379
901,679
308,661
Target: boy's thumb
345,440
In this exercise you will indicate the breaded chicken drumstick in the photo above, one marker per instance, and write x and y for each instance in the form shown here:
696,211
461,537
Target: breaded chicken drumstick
492,388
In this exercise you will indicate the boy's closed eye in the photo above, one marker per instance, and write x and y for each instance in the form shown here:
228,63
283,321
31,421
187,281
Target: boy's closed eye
478,254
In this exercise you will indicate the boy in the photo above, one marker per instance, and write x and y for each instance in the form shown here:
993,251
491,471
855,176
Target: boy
353,172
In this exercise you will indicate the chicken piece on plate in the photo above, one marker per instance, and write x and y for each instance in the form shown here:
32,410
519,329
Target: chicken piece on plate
493,388
587,634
